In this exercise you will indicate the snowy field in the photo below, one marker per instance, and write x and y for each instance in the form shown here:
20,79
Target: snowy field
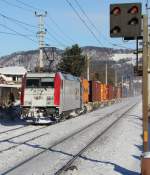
35,150
117,153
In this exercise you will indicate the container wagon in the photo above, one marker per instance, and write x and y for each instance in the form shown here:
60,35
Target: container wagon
85,91
94,91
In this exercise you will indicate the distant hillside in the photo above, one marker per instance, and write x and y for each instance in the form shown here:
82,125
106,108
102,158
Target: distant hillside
118,60
29,59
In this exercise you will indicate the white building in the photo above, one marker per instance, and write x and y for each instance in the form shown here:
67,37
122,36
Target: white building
14,72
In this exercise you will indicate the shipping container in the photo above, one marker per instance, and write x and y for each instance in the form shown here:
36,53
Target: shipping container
102,92
94,89
110,90
105,92
85,91
118,92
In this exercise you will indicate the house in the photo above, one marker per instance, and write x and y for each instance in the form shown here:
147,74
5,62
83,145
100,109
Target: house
15,73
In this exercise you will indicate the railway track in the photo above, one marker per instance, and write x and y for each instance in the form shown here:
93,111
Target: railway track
70,136
17,136
34,138
25,133
70,162
18,144
13,129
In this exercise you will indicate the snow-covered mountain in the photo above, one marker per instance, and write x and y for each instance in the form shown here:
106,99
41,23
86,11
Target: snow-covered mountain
29,59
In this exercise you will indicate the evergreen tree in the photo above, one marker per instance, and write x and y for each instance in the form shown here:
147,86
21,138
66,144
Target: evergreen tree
73,61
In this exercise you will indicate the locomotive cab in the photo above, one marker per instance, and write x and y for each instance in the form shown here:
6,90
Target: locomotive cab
46,97
37,97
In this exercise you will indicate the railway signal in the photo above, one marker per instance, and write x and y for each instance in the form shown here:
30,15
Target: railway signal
125,20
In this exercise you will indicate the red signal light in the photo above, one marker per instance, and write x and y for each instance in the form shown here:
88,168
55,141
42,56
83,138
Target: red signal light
116,11
133,10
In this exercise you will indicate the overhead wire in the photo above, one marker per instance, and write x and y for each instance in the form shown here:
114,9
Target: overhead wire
29,7
59,42
50,18
18,33
85,14
29,10
14,5
19,23
83,21
53,31
94,26
60,29
8,33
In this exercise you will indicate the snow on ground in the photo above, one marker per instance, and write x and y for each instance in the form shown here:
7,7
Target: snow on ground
13,157
119,56
55,158
117,153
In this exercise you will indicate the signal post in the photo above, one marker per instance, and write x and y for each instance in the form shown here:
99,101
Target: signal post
126,22
145,165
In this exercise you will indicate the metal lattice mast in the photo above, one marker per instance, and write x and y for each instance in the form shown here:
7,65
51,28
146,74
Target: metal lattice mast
41,36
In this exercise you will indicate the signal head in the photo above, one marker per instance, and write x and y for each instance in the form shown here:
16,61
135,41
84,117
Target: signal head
115,30
116,11
133,21
133,10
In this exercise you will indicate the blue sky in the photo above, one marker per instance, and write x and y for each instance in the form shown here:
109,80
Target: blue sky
71,30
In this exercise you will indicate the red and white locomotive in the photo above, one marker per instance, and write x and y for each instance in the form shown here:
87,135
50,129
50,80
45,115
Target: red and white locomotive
48,96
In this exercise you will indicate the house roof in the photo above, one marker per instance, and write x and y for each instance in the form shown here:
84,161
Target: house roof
13,70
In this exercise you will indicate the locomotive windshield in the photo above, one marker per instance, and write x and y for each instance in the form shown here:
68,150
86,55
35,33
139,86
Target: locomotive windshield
32,83
40,83
47,82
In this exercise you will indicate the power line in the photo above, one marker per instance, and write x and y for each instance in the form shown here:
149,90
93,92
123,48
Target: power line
58,34
93,25
85,14
82,20
14,5
20,23
59,42
8,33
50,18
60,29
29,6
18,33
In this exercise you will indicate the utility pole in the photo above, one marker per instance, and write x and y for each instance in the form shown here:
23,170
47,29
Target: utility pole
41,34
106,73
122,84
88,68
116,78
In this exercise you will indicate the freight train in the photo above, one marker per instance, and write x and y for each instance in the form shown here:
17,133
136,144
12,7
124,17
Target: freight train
49,97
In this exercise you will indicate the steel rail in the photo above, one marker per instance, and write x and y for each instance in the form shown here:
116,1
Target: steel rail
28,132
13,129
63,140
69,163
